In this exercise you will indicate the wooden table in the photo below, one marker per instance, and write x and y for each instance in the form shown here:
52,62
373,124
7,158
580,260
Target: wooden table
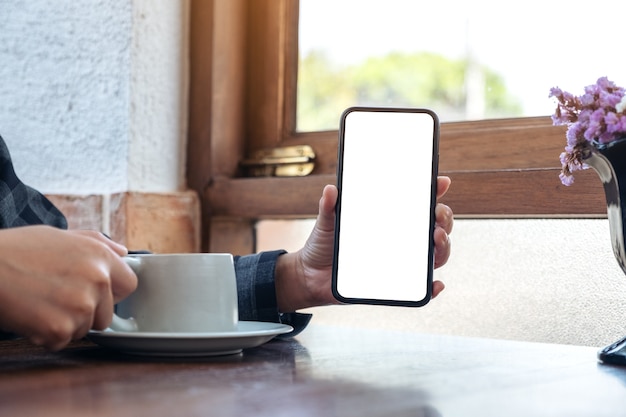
326,371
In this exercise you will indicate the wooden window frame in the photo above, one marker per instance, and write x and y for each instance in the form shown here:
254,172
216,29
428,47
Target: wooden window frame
242,98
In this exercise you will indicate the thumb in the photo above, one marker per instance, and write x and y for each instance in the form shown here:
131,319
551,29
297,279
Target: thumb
326,216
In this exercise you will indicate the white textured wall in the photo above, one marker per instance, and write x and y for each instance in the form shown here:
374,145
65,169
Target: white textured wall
93,93
158,103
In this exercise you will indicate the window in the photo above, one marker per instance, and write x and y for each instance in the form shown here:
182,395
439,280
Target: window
243,98
465,60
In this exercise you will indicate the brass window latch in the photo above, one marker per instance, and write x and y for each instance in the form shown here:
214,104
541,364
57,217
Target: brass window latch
288,161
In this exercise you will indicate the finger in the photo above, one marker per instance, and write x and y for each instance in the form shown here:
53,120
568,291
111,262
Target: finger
442,247
55,332
103,296
53,345
102,316
123,280
93,322
444,217
438,286
443,184
118,248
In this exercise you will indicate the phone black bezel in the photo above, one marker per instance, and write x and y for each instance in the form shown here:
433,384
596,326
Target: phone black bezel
433,199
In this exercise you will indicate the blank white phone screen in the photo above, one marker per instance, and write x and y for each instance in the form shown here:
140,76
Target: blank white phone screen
385,215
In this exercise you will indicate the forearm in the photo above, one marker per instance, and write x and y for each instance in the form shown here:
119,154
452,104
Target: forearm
290,293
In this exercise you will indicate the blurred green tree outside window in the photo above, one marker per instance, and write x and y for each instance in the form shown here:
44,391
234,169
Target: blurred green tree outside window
484,59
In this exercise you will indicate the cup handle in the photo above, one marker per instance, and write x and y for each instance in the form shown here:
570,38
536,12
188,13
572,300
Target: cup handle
118,323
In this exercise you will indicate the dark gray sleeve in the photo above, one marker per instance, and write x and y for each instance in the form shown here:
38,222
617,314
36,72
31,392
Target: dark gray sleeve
257,292
21,205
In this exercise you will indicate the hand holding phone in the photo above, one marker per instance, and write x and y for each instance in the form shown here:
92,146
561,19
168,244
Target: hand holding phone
387,181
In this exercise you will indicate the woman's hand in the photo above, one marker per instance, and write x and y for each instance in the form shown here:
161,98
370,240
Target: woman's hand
303,278
56,285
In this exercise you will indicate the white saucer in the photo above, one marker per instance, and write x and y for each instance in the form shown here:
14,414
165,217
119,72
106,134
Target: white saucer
249,334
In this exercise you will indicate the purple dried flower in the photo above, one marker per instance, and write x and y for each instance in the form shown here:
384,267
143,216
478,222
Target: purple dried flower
609,99
573,135
555,92
566,179
599,114
611,120
595,125
605,137
587,99
604,84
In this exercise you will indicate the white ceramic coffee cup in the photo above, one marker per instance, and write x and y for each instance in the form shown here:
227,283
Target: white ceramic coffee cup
180,293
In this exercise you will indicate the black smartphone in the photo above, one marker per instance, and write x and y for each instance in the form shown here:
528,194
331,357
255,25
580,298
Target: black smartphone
614,354
385,214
